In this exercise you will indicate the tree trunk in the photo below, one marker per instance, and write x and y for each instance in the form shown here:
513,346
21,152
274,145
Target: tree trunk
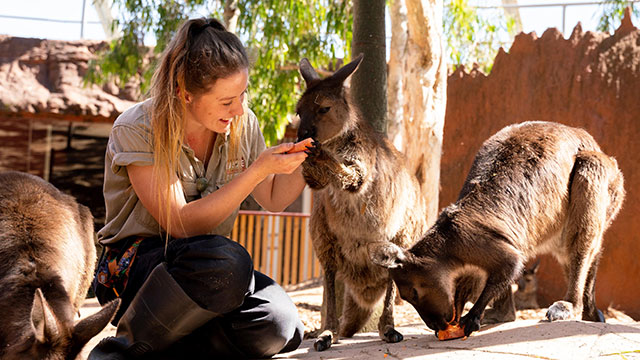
395,75
231,14
419,124
369,83
513,12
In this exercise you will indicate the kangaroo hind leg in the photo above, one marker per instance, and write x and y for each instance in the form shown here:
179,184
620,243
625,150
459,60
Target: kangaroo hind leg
354,313
590,311
591,207
330,326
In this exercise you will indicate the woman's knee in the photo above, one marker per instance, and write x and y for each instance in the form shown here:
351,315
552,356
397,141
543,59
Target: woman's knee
283,334
281,330
216,272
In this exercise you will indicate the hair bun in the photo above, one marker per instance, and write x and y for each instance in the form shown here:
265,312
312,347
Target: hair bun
216,24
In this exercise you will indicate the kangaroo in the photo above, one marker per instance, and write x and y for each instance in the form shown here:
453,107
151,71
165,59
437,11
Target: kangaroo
47,257
362,193
526,295
533,188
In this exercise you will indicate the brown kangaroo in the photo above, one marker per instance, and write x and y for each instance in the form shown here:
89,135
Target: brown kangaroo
47,257
362,193
533,188
526,295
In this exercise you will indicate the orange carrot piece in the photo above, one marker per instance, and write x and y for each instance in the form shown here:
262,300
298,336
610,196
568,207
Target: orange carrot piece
451,332
300,146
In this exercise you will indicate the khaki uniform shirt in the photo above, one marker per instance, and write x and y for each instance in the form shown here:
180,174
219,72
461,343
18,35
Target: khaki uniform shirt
130,142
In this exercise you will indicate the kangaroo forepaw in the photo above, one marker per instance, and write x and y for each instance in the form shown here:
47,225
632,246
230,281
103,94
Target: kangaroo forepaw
470,323
323,342
392,336
559,310
314,151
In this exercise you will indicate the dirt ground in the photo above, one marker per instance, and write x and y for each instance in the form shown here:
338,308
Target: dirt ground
308,300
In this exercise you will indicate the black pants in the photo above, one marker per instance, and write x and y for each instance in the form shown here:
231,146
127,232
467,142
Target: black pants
258,318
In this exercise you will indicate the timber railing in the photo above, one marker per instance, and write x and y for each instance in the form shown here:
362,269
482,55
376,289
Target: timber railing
279,244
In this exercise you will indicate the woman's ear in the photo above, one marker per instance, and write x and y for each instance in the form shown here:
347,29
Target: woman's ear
187,95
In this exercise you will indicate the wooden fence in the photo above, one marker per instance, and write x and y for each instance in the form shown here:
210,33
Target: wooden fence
279,244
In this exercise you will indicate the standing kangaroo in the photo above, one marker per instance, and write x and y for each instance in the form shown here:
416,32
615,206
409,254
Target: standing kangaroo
362,194
47,257
533,188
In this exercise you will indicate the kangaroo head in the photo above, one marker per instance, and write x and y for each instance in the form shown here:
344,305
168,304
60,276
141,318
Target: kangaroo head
52,338
324,108
528,281
423,282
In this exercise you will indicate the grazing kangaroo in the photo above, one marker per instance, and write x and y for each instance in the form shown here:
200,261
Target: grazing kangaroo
362,194
526,296
47,257
533,188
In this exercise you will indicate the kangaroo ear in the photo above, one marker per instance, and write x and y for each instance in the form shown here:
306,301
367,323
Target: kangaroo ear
308,73
534,268
344,72
92,325
387,255
43,321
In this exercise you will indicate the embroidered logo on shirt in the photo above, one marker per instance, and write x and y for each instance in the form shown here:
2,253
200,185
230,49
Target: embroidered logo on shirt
235,166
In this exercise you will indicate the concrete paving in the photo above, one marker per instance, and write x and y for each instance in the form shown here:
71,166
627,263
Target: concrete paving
522,339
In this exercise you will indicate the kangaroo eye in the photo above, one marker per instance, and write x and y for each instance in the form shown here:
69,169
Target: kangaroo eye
324,110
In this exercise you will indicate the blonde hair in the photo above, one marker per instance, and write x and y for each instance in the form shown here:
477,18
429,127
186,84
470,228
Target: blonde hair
201,52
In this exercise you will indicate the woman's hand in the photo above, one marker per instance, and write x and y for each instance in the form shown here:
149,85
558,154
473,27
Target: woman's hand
283,181
303,145
282,159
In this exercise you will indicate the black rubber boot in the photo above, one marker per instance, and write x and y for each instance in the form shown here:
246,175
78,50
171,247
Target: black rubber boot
160,314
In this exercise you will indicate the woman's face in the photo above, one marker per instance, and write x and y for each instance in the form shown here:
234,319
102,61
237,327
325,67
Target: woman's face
216,108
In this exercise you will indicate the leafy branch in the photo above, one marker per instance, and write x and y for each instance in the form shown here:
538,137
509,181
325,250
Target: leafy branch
612,14
474,38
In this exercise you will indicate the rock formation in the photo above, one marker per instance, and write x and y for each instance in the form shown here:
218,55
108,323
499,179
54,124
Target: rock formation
44,79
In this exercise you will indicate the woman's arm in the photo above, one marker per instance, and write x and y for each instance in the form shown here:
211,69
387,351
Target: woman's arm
200,216
278,191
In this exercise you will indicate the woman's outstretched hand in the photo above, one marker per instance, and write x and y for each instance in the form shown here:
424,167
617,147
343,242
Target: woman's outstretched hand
303,145
284,158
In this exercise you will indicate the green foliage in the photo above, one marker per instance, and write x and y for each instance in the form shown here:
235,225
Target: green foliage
277,33
612,14
127,57
474,37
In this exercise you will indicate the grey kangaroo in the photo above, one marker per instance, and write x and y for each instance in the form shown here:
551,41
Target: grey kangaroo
533,188
47,257
362,193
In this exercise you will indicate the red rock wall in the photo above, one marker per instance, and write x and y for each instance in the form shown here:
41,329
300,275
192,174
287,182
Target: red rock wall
44,79
591,80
